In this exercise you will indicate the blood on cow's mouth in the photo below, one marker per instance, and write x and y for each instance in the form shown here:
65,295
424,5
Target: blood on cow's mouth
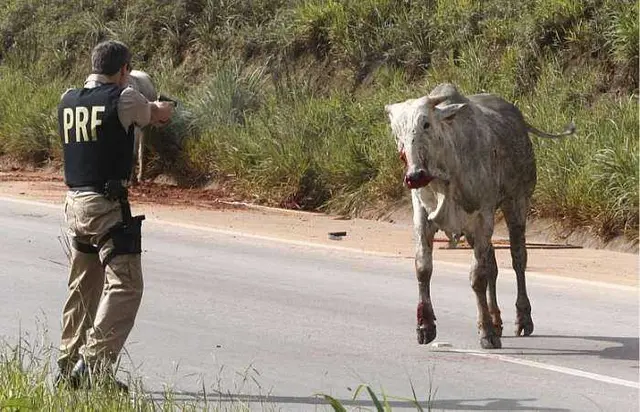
416,182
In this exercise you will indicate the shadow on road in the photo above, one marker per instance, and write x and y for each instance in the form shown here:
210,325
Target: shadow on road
624,348
482,404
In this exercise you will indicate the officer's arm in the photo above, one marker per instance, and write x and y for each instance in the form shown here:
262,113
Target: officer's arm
134,108
161,111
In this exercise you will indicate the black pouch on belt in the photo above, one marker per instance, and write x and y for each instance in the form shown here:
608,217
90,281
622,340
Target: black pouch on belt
126,237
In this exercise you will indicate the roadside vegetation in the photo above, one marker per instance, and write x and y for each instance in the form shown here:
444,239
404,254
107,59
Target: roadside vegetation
282,100
26,383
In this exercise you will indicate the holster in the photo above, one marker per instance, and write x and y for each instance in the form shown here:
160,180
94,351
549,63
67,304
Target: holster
126,235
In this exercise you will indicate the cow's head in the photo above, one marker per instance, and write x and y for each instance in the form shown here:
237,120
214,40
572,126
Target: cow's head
423,132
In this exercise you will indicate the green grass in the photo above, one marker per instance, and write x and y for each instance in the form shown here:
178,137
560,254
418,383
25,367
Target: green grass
283,99
26,383
28,127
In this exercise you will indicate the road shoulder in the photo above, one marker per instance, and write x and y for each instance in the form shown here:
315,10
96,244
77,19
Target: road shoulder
369,236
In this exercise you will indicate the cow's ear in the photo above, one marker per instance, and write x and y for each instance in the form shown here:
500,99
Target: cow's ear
446,113
391,110
388,109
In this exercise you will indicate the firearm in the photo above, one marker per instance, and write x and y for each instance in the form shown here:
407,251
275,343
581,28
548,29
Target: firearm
164,98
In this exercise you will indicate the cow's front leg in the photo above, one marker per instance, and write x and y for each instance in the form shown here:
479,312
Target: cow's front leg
492,295
133,178
424,232
484,272
426,318
140,146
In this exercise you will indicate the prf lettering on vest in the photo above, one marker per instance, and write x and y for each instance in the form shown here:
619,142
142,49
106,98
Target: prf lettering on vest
79,118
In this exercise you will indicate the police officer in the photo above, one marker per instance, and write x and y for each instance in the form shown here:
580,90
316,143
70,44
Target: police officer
105,279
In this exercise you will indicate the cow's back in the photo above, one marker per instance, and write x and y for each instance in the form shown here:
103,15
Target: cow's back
141,82
513,150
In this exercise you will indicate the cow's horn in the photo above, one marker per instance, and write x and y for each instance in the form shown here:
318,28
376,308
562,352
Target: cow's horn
436,100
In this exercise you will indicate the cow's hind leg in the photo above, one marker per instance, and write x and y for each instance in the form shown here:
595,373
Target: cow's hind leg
492,295
515,214
424,232
484,272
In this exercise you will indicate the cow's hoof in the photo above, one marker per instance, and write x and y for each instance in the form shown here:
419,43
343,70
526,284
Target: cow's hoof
491,342
524,326
498,330
426,334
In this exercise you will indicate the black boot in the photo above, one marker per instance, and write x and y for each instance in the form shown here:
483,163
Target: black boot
82,377
64,372
60,380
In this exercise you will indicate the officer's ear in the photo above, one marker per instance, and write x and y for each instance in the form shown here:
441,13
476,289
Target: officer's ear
124,75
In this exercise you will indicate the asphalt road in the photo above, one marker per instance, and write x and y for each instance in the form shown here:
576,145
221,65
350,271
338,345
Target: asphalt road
257,319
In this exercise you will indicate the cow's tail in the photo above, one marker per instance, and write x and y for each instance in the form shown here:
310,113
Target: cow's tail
569,130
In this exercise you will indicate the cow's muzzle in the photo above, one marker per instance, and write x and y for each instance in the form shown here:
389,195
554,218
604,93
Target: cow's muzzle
418,179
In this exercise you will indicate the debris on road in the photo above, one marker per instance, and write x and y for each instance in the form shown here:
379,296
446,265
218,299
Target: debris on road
504,244
337,235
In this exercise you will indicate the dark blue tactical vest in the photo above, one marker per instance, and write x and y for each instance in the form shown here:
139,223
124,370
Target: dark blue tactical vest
96,147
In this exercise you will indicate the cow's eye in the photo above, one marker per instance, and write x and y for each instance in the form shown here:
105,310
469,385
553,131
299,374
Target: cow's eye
426,125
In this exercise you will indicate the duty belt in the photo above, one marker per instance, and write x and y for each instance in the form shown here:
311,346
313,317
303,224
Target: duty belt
97,189
112,189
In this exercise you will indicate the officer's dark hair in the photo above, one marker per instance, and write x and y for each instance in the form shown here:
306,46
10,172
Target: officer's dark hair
109,56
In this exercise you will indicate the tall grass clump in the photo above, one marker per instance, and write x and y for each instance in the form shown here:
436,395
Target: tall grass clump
590,179
305,152
593,180
26,383
384,402
28,116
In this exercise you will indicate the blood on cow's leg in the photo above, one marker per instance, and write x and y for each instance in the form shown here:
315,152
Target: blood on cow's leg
483,268
492,296
515,213
426,319
424,231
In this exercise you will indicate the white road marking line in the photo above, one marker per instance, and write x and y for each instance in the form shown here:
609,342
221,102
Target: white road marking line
269,238
32,202
549,367
219,231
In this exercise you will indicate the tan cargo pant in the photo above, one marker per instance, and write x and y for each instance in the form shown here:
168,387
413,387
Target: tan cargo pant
102,303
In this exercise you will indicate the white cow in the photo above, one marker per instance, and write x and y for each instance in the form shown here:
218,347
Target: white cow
465,157
141,82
